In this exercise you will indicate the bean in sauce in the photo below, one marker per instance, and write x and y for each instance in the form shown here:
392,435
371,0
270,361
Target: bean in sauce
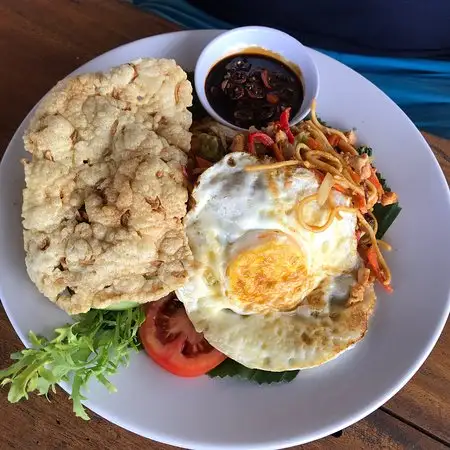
253,89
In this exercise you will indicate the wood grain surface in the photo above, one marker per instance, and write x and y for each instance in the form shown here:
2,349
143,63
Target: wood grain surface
41,41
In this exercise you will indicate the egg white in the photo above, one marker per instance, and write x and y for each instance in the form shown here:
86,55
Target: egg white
232,207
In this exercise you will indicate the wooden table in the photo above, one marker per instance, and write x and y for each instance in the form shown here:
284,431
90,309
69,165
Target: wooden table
41,41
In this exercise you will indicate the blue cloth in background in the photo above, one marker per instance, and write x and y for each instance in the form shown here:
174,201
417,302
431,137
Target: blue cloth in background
421,87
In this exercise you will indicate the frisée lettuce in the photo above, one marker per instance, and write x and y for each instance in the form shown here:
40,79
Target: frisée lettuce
95,346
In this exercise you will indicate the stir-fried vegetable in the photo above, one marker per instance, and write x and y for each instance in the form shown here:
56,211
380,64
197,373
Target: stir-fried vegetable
207,146
266,140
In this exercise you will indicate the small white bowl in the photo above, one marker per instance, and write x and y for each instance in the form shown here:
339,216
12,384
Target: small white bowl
275,42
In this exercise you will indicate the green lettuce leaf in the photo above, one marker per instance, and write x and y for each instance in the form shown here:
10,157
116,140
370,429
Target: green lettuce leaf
95,346
385,216
230,368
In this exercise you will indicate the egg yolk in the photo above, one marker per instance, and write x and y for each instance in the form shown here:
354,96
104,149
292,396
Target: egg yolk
270,276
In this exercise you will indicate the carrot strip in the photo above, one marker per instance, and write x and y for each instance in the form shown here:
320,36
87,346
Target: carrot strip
360,202
376,182
355,177
312,143
340,188
333,139
372,261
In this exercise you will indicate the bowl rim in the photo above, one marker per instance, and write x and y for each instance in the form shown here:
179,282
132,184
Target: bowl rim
200,77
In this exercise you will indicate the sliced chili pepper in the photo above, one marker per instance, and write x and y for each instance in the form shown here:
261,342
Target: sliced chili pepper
284,118
258,136
284,123
266,140
333,139
265,79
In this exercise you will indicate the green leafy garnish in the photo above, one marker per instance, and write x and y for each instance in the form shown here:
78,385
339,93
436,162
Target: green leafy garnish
94,346
385,216
230,368
365,150
322,122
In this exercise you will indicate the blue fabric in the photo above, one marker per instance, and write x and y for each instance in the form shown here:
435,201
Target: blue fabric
421,87
182,13
396,28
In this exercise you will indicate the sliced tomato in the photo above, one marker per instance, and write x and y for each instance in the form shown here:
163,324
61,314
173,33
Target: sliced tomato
170,339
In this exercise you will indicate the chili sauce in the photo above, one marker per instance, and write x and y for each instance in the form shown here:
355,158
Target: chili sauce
253,89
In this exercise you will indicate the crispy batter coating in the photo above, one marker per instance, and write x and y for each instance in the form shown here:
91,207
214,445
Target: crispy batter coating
105,192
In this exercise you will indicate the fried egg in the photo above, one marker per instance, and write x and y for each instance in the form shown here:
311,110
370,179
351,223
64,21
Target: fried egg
267,292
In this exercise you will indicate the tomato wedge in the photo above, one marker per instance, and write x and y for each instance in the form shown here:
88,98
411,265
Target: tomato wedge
170,339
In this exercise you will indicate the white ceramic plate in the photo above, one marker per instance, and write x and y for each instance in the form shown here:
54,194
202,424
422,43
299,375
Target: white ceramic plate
204,413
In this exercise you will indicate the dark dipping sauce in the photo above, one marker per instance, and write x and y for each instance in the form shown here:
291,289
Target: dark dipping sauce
253,89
